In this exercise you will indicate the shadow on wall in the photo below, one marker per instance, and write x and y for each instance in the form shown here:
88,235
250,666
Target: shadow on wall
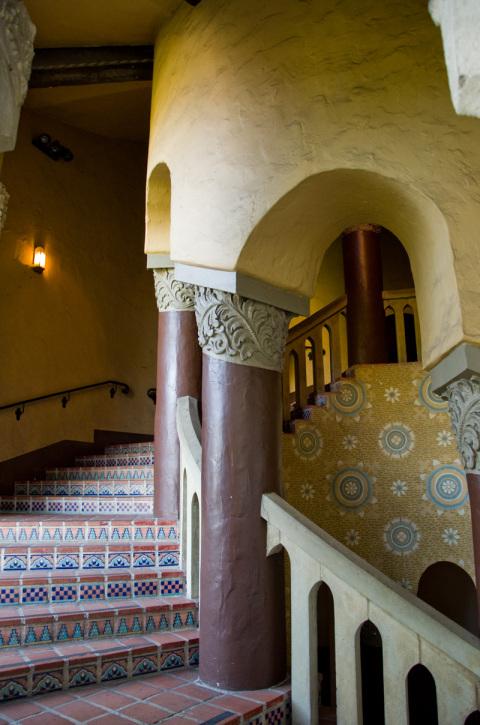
291,239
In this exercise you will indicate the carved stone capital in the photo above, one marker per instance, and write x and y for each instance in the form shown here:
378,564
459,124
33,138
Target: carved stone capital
172,294
464,403
3,205
16,53
239,330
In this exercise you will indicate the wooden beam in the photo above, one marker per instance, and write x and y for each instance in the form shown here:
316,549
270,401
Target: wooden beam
91,65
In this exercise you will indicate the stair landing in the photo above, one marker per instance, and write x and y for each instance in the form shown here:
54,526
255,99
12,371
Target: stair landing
175,698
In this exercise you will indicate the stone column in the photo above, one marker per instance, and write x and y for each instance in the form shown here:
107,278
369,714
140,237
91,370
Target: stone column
464,403
179,372
362,266
241,590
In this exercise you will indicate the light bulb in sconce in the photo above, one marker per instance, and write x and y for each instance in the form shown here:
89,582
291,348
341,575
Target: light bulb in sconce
39,258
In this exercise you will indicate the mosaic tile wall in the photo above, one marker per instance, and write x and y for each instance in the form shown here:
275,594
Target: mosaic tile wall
379,469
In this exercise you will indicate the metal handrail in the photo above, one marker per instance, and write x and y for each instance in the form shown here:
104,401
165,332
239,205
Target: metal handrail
65,395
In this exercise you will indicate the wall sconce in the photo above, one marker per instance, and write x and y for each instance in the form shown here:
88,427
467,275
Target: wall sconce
39,258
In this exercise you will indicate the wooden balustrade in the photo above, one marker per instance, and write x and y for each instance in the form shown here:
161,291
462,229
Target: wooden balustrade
316,353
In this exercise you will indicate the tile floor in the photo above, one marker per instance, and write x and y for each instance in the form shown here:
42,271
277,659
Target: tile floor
174,698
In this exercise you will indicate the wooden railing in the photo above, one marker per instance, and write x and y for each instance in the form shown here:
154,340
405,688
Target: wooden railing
316,353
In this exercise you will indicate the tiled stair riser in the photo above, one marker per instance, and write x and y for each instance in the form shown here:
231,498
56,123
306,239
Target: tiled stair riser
54,589
155,655
139,449
31,629
84,488
113,459
59,532
77,505
94,473
89,557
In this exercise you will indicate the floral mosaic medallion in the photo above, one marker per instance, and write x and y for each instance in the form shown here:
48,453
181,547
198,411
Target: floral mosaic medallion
308,442
351,489
428,399
399,488
446,487
392,395
401,536
450,536
350,400
396,440
444,438
352,537
307,491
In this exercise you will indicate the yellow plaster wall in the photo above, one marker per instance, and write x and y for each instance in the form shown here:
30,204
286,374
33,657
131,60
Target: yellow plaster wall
280,127
92,314
379,469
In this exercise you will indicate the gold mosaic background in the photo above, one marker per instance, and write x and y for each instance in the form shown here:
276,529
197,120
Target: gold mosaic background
379,469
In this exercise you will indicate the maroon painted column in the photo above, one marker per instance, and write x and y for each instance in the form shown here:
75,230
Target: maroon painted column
241,589
362,268
179,372
463,397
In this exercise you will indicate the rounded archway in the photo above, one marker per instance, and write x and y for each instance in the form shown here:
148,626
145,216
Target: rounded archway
290,240
158,203
448,588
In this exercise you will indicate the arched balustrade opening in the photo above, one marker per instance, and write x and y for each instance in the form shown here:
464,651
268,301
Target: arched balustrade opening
448,588
195,546
310,367
326,650
371,658
422,697
473,718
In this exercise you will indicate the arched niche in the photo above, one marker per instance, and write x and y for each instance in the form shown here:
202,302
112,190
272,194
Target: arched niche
422,697
290,240
158,204
370,647
448,588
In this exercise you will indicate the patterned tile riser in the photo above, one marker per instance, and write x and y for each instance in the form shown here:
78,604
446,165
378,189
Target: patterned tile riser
77,505
139,449
114,460
83,488
97,625
75,588
86,558
94,473
65,532
24,680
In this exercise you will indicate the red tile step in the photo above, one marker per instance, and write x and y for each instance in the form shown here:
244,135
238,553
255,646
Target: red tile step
101,584
175,696
89,556
27,529
44,669
87,621
67,505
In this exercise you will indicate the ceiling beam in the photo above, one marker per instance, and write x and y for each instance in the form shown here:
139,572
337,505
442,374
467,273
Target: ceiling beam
91,65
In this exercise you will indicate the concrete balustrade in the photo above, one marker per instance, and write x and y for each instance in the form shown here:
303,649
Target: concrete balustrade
412,632
189,434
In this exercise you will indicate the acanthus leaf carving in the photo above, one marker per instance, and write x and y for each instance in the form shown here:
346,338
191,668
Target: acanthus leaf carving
464,404
241,330
172,294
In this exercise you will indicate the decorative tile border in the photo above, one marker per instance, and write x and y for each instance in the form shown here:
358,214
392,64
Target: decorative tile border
106,473
77,504
50,588
59,532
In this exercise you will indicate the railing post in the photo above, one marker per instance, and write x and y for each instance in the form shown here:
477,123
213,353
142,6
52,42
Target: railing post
350,612
305,576
400,330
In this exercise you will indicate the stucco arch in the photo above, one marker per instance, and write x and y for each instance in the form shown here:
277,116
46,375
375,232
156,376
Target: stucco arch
158,211
288,244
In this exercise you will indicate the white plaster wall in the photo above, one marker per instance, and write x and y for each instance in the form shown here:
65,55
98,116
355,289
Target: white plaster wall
251,98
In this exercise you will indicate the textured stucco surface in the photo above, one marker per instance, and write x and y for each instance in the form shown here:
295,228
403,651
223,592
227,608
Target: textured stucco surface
249,101
92,314
379,469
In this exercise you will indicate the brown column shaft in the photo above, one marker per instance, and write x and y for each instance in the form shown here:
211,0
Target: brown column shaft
179,372
362,265
241,589
473,481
